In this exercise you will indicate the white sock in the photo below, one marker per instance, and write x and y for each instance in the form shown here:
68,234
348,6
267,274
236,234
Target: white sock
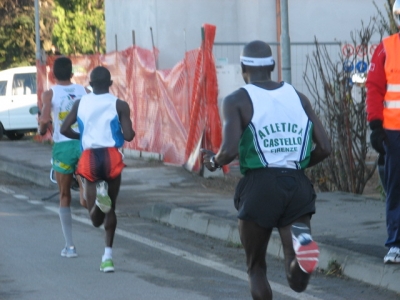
107,253
66,225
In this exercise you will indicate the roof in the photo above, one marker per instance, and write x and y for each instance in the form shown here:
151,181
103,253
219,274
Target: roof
28,69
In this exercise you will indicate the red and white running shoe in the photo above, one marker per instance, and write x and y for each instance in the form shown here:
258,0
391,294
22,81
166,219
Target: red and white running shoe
306,249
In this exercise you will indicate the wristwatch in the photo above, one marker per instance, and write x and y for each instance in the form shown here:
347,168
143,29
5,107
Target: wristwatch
213,163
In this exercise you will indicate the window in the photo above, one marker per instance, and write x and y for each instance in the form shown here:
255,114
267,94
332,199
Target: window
24,84
3,88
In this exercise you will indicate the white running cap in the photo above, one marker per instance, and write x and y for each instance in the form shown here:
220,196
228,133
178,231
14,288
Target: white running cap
257,61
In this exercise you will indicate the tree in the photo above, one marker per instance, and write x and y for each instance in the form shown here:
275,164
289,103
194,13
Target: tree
17,43
342,110
80,22
331,84
71,25
46,23
387,24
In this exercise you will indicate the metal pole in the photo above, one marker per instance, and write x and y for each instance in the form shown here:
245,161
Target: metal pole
285,42
278,37
37,31
154,52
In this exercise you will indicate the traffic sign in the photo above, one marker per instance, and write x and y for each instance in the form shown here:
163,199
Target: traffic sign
361,66
348,66
362,50
348,50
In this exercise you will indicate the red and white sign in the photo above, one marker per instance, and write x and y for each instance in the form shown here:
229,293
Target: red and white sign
348,50
362,50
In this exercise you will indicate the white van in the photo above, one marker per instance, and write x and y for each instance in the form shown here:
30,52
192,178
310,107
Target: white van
18,100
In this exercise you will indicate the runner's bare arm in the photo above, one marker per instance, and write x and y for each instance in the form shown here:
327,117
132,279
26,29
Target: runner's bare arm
236,110
69,121
320,138
45,115
124,114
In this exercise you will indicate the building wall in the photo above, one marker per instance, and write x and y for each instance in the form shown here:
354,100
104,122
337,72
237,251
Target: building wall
176,24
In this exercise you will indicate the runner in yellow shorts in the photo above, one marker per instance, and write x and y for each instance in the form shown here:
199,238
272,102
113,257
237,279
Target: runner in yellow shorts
57,103
66,156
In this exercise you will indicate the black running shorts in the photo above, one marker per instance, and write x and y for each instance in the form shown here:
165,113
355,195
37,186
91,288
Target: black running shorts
274,197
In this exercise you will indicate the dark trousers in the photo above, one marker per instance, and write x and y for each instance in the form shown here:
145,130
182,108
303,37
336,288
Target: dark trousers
381,170
392,187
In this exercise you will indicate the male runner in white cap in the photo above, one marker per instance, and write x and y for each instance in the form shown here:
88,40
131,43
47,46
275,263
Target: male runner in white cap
273,126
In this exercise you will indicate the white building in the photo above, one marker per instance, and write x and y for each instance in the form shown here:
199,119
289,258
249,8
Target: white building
174,26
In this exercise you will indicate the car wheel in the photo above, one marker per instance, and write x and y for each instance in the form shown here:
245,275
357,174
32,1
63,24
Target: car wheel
14,136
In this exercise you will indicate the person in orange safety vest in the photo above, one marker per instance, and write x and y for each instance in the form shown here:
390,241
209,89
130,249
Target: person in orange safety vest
383,115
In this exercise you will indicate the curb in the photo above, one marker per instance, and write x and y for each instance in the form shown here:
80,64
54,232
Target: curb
363,268
201,223
26,173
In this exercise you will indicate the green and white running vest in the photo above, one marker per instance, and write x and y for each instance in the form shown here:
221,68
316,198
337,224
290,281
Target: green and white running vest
279,134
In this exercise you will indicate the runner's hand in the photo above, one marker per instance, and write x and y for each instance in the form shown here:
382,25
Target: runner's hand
207,154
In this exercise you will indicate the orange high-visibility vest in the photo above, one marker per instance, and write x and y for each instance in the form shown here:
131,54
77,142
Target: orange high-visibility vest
391,110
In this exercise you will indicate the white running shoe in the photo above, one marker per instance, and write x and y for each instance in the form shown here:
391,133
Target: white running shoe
306,249
393,256
103,201
69,252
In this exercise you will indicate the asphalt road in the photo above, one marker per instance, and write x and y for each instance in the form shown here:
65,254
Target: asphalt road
152,261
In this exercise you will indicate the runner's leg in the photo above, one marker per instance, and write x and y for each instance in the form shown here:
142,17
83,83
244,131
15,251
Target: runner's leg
64,184
96,215
82,196
110,223
255,242
297,279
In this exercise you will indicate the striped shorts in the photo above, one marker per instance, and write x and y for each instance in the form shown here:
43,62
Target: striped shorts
100,164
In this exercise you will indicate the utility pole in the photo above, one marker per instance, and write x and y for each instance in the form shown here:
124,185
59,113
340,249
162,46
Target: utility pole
285,43
37,31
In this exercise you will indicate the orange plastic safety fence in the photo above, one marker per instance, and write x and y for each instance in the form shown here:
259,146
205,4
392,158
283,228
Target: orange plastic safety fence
173,112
